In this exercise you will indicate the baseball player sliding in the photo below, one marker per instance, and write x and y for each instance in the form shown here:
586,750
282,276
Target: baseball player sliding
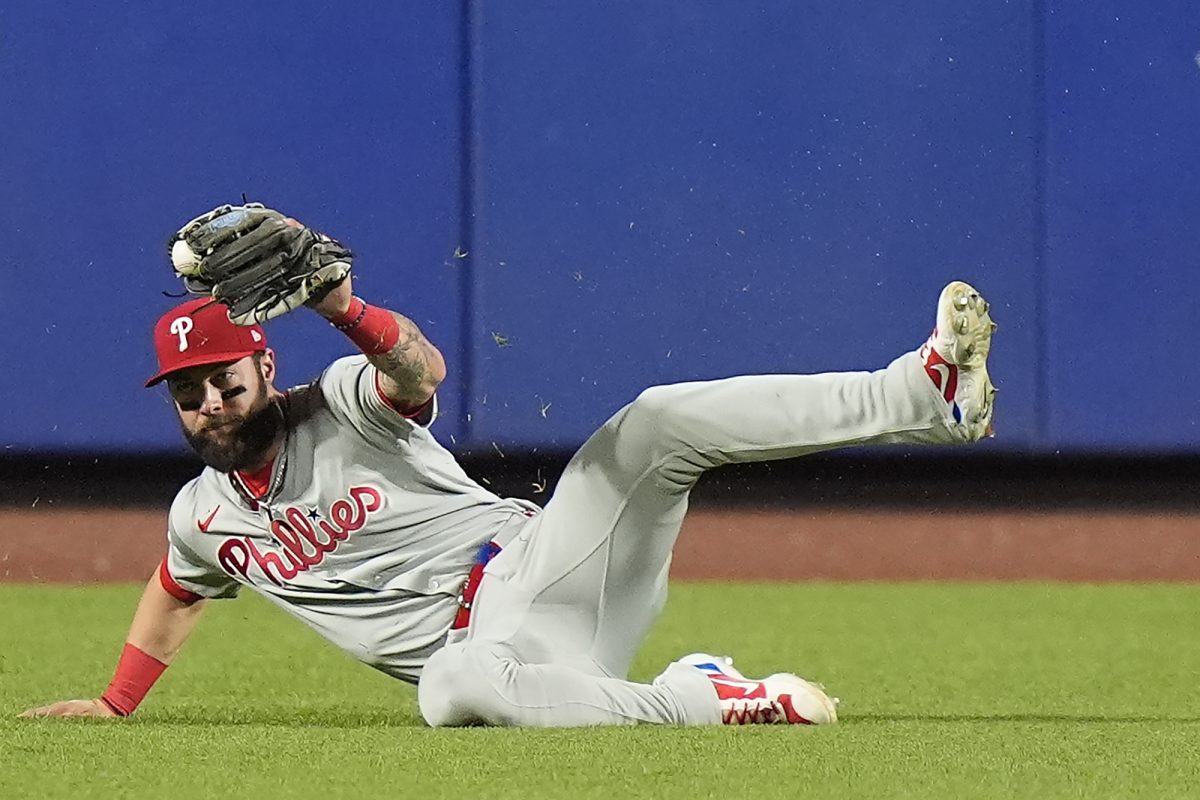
335,502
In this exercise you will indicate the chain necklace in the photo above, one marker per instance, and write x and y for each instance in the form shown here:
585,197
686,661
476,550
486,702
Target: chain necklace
277,472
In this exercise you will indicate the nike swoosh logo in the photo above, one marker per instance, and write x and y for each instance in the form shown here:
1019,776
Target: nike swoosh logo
203,525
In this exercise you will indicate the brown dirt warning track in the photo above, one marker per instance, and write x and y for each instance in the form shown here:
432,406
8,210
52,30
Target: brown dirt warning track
86,544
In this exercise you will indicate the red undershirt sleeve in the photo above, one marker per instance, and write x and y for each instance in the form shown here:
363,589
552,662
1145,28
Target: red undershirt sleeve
172,588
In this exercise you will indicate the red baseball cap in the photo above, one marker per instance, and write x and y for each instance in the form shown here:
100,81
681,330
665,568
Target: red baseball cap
199,332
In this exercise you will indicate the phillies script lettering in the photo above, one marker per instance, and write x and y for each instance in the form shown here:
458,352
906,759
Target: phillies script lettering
305,542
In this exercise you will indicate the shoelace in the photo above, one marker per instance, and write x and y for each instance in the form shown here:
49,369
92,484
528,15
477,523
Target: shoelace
759,711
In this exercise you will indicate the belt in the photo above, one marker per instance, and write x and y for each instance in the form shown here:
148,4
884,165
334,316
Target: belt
466,598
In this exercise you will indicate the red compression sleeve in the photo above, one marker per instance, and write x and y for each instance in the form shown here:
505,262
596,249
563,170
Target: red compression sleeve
373,329
136,673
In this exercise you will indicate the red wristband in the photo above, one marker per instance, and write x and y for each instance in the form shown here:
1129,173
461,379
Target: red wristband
373,329
136,673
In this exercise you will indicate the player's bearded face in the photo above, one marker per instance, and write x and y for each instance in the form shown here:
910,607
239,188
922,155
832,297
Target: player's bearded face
238,434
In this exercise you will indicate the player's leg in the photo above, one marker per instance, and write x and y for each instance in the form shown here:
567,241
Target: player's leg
534,680
482,682
605,538
582,589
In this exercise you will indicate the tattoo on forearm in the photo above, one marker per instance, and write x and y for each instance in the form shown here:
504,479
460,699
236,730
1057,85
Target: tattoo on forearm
409,362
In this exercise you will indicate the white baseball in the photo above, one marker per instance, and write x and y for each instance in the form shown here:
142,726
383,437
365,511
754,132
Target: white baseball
183,258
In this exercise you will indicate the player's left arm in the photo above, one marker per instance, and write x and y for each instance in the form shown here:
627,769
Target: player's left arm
410,367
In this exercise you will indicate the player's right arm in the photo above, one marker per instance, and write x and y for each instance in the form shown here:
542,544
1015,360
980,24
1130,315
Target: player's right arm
161,624
410,368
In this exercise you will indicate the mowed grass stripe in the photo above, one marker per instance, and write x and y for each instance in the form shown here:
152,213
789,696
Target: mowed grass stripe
980,690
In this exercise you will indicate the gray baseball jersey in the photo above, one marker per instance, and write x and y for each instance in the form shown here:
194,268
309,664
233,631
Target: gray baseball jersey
367,533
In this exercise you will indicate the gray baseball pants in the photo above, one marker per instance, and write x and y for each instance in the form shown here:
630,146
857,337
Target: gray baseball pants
563,608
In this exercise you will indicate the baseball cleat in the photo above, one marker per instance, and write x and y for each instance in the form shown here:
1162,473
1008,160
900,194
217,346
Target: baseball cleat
955,358
779,699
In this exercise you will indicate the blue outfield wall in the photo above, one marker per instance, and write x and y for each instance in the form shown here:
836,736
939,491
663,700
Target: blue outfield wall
123,120
644,192
680,191
1122,273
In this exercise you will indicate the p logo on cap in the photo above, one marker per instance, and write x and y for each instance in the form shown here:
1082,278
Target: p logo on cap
182,326
199,332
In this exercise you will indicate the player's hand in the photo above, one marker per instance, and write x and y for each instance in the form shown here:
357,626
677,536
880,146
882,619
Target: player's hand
72,708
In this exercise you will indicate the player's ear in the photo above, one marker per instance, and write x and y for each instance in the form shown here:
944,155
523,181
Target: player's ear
266,366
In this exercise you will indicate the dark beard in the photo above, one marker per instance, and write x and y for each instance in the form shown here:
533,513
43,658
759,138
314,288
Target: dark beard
251,438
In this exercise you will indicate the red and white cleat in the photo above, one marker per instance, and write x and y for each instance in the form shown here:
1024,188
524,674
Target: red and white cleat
955,358
779,699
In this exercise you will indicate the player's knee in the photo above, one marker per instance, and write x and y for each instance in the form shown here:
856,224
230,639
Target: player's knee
653,403
655,412
443,689
667,418
460,686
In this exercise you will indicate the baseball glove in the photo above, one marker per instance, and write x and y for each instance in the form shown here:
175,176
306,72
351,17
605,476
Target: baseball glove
256,261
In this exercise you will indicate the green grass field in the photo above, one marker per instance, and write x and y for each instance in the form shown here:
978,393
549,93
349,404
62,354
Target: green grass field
947,691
